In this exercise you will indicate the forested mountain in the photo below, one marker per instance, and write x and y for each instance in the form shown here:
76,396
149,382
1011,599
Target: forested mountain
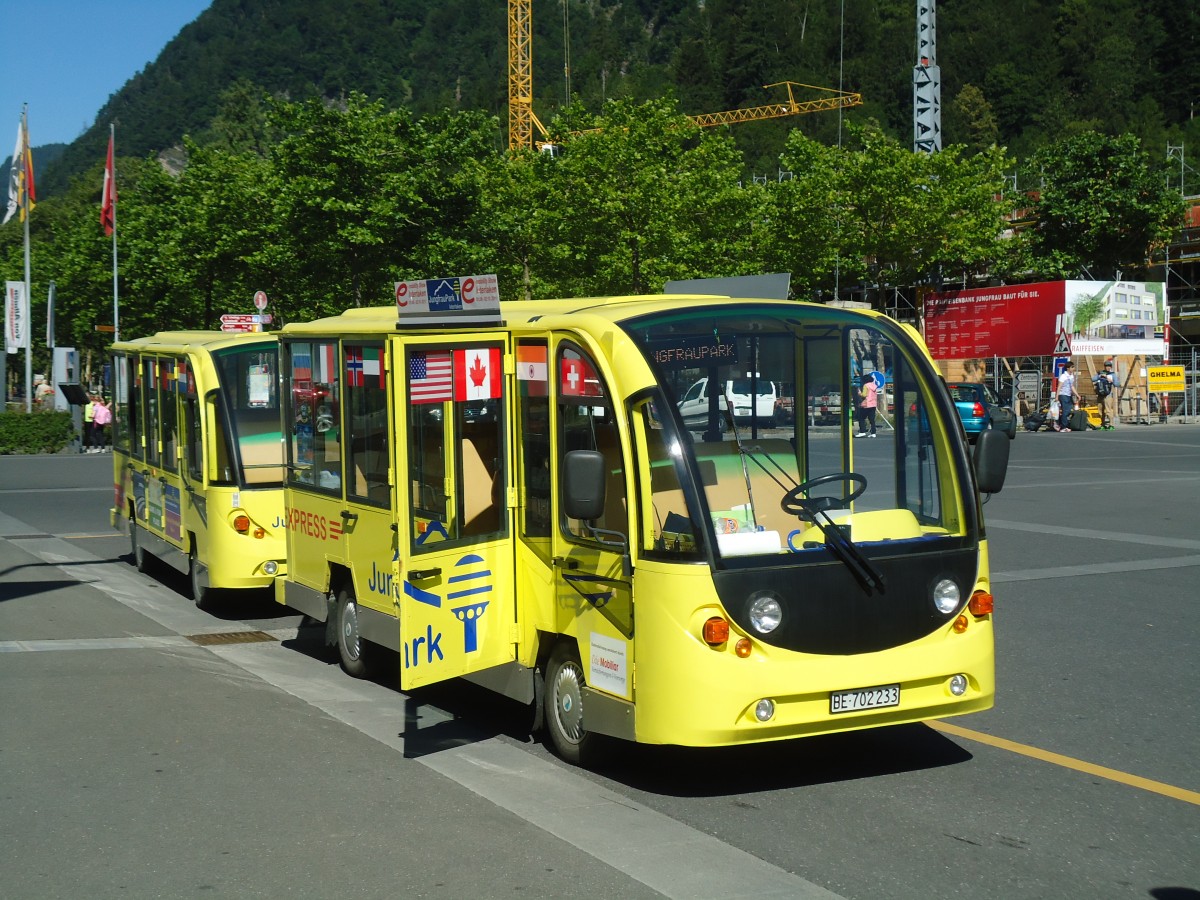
1018,72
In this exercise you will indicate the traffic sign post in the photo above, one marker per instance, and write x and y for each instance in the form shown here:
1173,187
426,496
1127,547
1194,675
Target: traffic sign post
260,300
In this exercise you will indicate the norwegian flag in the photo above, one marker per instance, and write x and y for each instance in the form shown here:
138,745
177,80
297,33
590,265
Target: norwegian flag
354,366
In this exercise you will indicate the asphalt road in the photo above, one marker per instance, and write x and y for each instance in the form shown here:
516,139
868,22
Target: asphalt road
148,750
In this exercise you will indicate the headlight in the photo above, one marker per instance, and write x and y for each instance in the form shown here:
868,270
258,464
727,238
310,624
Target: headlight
946,596
765,612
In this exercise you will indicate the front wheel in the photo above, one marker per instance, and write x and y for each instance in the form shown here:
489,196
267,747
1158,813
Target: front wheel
564,708
201,592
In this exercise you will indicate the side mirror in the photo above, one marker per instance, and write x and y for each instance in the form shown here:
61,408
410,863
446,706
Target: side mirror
991,460
583,480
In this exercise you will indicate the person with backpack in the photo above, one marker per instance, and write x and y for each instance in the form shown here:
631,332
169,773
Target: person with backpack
1105,383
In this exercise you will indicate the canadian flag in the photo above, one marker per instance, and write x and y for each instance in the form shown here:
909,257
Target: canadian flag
477,374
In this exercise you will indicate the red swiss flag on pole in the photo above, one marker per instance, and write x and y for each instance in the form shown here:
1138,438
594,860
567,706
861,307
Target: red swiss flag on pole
108,203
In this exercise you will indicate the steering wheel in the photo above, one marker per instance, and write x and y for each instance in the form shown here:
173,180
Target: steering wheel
794,504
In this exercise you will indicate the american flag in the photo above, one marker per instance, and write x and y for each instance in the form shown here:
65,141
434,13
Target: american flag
430,377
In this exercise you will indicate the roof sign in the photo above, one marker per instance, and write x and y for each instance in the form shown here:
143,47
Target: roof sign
466,299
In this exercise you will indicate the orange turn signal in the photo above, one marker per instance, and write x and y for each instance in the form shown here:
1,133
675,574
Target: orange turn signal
742,648
981,603
716,631
260,532
960,624
241,524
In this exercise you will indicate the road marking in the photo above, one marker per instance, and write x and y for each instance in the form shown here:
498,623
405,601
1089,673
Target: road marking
144,642
1098,568
1092,534
1069,762
106,489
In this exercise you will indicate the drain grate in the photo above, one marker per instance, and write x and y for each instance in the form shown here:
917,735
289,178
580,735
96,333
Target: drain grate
230,637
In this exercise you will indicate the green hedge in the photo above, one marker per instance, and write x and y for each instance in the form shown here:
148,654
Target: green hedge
41,432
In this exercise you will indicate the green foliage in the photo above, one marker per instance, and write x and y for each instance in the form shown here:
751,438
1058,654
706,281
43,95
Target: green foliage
41,432
1101,208
1043,69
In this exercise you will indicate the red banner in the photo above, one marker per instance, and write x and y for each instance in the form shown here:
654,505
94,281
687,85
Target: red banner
1010,320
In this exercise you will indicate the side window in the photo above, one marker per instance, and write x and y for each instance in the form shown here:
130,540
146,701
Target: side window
193,439
587,421
169,417
534,410
314,444
667,527
455,443
367,454
150,424
124,407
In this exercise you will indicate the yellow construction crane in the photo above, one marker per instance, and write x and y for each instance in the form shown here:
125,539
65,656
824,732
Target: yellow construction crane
793,107
522,121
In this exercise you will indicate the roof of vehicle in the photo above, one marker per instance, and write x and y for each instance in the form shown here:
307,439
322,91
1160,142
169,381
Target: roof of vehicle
518,312
180,341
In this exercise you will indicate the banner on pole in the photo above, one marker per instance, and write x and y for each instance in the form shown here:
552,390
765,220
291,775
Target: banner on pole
16,317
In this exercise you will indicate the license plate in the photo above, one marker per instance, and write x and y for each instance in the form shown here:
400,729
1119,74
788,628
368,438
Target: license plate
864,698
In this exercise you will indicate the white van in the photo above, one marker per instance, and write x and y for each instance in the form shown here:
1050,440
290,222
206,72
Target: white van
694,405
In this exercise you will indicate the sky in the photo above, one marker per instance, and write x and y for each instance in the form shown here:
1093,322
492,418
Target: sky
65,58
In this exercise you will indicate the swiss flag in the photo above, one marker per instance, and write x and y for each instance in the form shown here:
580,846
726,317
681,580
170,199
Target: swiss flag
477,374
577,378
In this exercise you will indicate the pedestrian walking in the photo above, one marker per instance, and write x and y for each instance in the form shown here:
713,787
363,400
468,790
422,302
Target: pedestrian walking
101,417
1068,396
867,407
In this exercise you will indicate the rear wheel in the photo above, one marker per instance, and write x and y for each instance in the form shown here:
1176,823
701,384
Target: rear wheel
564,709
357,655
135,548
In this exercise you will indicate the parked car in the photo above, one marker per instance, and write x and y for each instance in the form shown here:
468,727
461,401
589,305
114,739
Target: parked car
825,405
694,405
979,408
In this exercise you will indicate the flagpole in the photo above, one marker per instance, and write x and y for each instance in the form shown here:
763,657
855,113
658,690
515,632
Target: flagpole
29,305
112,138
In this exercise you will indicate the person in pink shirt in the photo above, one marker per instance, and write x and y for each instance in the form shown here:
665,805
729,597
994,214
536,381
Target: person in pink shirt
867,406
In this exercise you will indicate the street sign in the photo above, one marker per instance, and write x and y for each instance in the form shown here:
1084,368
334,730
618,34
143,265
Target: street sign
1165,378
1063,347
237,319
260,300
239,326
1029,383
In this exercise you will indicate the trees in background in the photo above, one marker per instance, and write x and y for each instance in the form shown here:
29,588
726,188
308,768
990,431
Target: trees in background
324,206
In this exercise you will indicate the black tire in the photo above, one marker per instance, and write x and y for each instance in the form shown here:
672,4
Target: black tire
358,656
564,709
135,548
202,595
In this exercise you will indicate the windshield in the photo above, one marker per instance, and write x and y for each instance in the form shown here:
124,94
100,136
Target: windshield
777,422
249,386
